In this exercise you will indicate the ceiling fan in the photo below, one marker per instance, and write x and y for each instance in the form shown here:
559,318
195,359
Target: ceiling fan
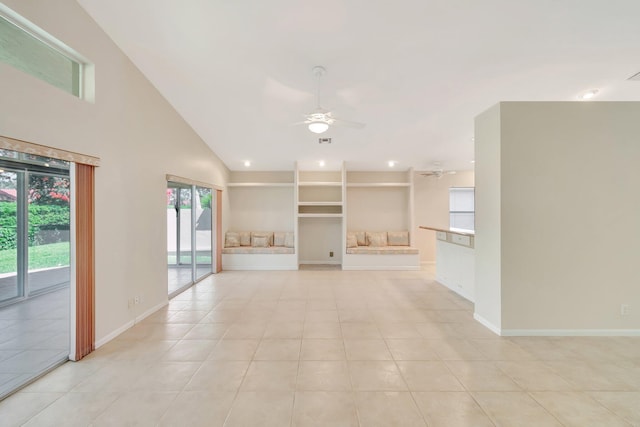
320,119
438,171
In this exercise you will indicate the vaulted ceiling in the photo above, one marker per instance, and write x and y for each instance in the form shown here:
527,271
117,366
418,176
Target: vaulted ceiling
416,72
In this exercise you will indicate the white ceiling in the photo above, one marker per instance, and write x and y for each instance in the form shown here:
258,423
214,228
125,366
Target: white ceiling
416,72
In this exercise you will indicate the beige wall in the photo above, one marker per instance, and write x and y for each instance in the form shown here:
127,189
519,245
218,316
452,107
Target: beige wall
139,138
261,209
431,207
569,229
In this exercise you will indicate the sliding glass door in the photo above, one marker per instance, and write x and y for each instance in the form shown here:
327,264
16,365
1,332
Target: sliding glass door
189,219
34,232
10,289
204,218
34,267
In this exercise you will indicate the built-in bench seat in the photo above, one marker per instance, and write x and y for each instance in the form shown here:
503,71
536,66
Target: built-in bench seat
259,250
383,250
390,250
251,250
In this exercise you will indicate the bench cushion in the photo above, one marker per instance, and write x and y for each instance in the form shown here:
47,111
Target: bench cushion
383,250
251,250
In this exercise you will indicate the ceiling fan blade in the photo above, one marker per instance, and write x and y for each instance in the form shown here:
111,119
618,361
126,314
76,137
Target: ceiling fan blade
347,123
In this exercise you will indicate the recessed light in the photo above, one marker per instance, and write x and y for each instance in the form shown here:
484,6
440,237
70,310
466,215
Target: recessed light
391,163
247,163
588,94
321,163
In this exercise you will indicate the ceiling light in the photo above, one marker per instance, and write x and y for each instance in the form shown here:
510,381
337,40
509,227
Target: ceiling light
391,163
321,163
588,94
247,163
318,127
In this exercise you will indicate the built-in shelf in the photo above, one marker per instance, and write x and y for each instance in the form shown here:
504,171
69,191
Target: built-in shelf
378,184
260,184
319,203
320,215
319,184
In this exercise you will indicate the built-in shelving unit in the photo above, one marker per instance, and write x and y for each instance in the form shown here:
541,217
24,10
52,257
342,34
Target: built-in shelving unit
320,204
379,201
262,201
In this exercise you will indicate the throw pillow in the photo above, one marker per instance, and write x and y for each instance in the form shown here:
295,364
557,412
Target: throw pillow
398,238
288,240
378,238
260,242
245,238
361,237
352,241
268,235
278,238
231,240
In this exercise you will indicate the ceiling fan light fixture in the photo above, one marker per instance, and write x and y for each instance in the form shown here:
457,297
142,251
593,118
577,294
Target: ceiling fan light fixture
318,127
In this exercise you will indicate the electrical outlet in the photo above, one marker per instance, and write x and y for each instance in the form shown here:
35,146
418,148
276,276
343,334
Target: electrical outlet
624,309
136,300
331,254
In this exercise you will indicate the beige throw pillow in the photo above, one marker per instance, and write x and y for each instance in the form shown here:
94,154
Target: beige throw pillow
231,240
260,242
361,238
352,241
278,238
289,242
378,238
268,235
398,238
245,238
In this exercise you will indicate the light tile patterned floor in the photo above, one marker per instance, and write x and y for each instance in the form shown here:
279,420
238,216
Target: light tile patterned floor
34,336
333,348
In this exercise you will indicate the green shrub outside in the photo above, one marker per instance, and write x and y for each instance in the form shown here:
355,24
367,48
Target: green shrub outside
205,201
40,217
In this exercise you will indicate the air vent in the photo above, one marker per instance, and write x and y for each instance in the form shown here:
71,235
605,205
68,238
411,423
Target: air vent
324,140
635,77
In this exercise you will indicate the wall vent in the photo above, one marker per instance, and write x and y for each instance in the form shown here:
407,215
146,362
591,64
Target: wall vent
324,141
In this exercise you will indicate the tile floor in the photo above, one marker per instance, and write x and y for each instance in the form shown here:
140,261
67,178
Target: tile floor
333,348
34,336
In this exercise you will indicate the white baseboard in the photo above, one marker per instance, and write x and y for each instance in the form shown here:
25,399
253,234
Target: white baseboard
321,262
570,332
149,312
380,267
484,322
259,268
102,341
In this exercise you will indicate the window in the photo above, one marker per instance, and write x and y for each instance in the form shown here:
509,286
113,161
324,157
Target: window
462,208
33,51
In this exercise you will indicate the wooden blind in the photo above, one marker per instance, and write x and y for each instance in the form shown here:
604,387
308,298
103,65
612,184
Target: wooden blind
85,266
